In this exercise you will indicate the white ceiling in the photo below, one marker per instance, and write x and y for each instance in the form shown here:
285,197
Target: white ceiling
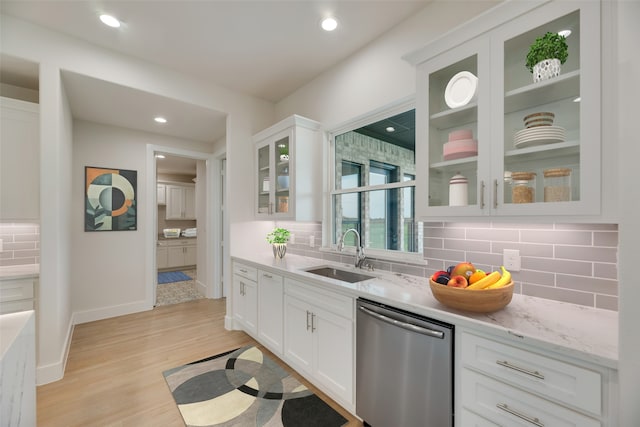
264,48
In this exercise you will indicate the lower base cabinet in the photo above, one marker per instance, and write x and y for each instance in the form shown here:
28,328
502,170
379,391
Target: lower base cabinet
318,338
503,383
270,311
245,298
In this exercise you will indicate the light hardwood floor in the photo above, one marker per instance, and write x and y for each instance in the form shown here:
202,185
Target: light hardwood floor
114,376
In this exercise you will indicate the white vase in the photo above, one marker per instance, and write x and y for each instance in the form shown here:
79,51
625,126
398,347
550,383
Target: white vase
279,250
546,69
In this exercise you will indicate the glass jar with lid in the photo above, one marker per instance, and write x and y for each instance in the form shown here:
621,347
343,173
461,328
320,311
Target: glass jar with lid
523,188
557,185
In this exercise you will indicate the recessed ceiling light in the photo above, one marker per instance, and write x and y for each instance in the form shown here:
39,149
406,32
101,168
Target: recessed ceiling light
565,33
160,156
160,120
110,21
391,129
329,24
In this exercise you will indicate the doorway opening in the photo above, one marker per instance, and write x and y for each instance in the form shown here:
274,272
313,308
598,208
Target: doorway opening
184,232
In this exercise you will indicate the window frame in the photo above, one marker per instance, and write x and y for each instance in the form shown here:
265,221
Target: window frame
329,245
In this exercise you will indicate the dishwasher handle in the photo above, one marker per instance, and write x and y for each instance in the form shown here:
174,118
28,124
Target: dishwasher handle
403,325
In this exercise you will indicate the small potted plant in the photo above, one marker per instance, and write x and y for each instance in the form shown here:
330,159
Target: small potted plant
284,152
546,55
278,238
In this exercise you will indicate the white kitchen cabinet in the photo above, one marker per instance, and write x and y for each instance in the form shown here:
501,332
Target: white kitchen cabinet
318,339
19,160
289,170
161,194
181,201
270,311
510,384
245,298
161,257
494,50
176,253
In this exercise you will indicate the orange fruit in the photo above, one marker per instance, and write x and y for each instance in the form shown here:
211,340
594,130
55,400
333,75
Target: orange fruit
479,274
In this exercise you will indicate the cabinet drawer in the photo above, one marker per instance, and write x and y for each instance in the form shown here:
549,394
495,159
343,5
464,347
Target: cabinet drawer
337,304
245,271
560,381
181,242
508,406
16,306
16,289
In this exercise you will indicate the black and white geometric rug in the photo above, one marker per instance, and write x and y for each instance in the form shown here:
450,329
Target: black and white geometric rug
244,387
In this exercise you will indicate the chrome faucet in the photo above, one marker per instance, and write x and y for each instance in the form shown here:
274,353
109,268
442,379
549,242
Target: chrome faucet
360,256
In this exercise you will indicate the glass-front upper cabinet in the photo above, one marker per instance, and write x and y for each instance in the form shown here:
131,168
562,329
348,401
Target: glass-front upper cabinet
491,140
288,177
452,162
273,175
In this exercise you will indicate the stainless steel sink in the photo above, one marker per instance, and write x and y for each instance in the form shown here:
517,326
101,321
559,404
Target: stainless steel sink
338,274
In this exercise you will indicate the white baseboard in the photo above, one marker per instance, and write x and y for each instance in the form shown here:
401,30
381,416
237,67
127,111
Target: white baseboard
201,288
108,312
228,323
55,371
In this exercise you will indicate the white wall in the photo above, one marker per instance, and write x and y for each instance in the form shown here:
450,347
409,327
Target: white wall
53,300
55,52
628,65
377,75
108,268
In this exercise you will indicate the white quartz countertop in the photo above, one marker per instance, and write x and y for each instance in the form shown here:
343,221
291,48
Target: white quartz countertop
585,333
19,271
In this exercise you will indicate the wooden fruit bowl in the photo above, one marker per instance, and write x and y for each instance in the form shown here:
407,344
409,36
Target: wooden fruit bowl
476,300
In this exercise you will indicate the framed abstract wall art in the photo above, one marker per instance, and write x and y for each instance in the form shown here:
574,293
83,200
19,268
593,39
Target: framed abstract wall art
110,199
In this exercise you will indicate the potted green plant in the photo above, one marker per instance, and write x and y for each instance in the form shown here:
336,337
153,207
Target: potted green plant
546,55
278,238
284,152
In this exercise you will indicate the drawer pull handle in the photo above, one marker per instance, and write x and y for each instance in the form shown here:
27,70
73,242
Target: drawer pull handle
506,364
243,270
268,276
532,420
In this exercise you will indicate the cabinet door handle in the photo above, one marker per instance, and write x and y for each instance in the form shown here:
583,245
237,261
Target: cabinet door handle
506,364
313,322
495,194
241,288
482,194
308,326
532,420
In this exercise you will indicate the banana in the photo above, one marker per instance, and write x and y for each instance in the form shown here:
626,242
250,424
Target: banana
504,280
487,281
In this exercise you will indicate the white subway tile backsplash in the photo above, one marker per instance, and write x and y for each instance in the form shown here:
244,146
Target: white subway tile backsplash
606,271
585,253
574,297
468,245
493,235
557,237
587,284
21,244
576,263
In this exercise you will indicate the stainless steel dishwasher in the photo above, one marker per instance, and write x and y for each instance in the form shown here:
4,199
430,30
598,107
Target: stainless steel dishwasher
404,368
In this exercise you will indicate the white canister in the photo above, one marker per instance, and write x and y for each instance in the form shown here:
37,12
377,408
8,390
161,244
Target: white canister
458,190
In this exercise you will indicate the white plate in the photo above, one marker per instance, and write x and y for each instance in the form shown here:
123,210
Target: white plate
538,141
461,89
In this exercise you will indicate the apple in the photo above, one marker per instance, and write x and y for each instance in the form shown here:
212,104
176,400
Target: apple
458,281
443,279
439,273
465,269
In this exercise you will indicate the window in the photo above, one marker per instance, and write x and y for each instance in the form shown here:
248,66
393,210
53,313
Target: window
374,185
